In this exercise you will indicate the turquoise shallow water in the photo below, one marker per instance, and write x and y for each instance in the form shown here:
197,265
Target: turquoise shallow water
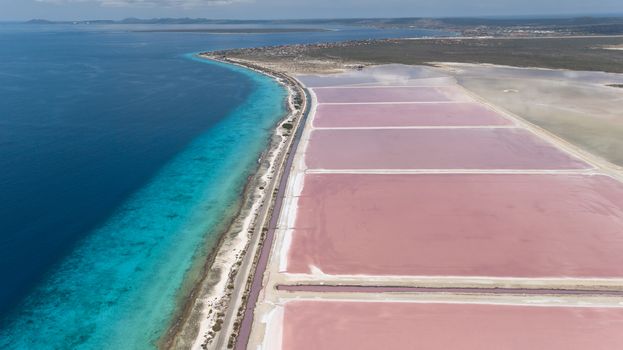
118,288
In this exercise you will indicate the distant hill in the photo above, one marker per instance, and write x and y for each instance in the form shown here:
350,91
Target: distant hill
39,21
45,21
153,21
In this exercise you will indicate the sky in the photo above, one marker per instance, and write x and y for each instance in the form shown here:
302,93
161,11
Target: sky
279,9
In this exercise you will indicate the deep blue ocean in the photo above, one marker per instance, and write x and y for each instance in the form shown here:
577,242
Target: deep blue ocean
121,157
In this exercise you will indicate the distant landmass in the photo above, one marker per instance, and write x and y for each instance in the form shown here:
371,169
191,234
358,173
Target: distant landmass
466,26
232,30
149,21
406,21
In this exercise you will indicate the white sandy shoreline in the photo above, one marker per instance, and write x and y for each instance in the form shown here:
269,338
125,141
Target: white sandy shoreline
221,286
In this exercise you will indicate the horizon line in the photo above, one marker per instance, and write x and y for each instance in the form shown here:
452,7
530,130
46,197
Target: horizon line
501,17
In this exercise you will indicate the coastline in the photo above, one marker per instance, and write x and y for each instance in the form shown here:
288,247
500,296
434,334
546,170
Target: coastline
121,286
222,286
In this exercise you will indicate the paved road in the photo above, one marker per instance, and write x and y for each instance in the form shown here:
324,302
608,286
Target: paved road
258,274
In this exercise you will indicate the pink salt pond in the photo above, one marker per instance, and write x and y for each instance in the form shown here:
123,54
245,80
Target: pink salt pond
428,114
459,225
383,94
480,148
333,325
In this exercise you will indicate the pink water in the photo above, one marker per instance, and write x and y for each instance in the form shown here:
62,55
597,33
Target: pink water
459,225
383,94
310,325
433,114
434,149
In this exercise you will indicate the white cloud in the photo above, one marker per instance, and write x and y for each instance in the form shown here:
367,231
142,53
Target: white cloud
145,3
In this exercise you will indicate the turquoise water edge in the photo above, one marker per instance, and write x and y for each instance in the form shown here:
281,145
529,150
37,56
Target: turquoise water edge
118,289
